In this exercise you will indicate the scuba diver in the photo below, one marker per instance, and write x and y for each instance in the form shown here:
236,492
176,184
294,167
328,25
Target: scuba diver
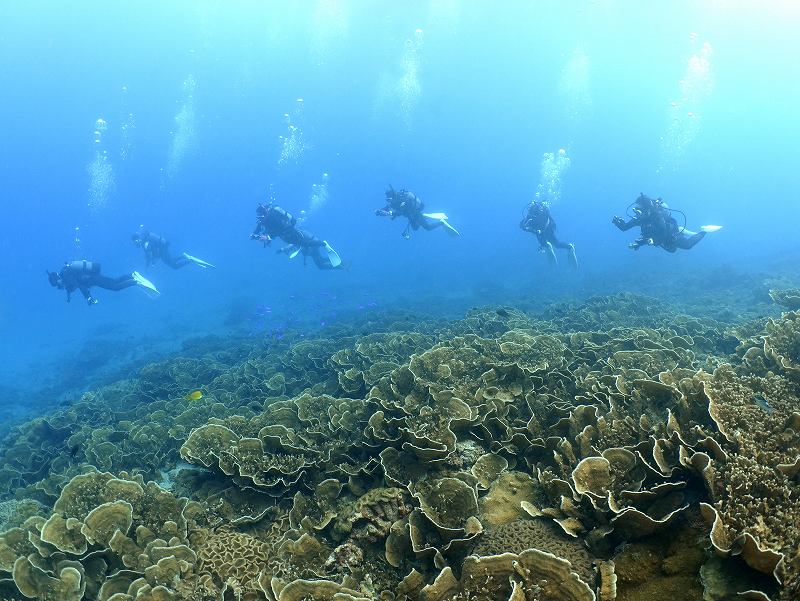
276,222
407,204
155,247
538,221
82,275
658,227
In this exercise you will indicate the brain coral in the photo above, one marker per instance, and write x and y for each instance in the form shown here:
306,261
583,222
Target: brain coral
236,559
516,537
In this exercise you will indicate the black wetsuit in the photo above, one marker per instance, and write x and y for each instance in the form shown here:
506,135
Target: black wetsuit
275,222
82,275
657,227
538,221
155,248
407,204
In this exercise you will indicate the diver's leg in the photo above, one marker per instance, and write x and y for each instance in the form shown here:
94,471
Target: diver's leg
174,262
568,246
120,283
430,224
320,259
686,242
573,258
551,254
558,243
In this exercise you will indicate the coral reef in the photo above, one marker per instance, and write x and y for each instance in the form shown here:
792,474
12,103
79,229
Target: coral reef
607,450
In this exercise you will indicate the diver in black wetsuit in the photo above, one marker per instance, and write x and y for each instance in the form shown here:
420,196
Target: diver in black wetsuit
155,247
657,226
407,204
273,222
539,221
82,275
276,222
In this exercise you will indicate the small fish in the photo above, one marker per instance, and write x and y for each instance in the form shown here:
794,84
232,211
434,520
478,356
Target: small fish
762,404
194,395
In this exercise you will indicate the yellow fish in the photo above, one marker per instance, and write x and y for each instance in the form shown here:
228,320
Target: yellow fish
194,395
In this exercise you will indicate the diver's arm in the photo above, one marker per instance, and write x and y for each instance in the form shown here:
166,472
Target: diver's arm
67,282
257,234
625,225
385,211
86,294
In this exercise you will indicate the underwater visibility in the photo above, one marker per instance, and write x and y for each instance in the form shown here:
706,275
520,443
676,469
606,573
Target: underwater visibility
432,300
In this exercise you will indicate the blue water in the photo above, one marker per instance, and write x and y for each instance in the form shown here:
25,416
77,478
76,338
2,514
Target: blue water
457,101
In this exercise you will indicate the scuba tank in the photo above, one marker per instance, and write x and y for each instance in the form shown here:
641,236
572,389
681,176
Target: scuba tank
280,218
84,267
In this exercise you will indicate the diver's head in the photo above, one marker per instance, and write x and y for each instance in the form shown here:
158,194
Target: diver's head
262,210
644,204
55,279
136,239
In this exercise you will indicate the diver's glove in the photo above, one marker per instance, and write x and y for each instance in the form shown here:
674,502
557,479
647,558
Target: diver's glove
617,220
383,213
91,300
265,239
637,244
